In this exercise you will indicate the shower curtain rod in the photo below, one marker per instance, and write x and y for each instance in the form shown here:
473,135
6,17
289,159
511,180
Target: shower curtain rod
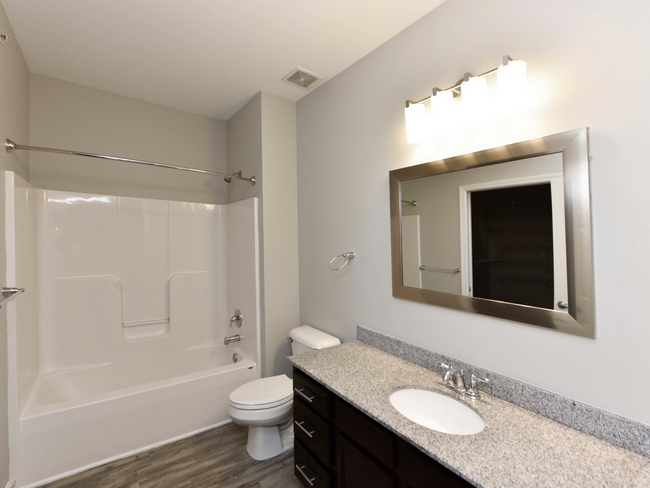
12,146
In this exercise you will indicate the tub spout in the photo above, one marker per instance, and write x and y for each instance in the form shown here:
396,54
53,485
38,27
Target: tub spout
231,339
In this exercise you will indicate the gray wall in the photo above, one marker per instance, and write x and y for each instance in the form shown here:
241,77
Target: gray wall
14,124
351,134
281,278
69,116
262,143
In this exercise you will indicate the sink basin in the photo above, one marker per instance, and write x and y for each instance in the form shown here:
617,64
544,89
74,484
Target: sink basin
437,412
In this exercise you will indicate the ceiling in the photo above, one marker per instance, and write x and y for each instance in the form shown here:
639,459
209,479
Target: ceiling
203,56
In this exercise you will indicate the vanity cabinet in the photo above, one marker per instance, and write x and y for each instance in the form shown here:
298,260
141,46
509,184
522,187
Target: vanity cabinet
338,446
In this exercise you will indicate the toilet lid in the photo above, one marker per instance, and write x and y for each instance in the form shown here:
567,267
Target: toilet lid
268,392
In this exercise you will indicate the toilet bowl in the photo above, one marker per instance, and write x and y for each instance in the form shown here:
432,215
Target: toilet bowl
265,405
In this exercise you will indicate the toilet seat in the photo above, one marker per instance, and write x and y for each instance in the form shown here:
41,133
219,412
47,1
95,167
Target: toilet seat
264,406
263,394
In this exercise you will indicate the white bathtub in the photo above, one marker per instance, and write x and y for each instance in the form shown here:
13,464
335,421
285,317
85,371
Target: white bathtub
85,417
116,345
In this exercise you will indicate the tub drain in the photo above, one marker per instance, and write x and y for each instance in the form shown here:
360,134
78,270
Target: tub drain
235,358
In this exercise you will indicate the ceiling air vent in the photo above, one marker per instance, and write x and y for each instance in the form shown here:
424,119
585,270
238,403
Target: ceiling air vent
303,79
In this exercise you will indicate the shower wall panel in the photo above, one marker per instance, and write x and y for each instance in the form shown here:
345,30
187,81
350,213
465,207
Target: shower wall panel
126,279
22,272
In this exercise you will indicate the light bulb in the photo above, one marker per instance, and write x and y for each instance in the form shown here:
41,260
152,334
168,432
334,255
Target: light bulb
511,78
416,120
474,91
441,105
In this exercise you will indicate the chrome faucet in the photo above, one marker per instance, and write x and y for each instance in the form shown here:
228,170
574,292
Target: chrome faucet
231,339
455,380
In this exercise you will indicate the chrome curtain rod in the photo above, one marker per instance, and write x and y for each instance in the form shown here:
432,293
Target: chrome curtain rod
12,146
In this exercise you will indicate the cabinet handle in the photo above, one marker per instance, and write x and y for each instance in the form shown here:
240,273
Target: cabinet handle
310,481
300,392
299,424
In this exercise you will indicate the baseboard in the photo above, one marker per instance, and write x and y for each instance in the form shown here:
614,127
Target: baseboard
115,458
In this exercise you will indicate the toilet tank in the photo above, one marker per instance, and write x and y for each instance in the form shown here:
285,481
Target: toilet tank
307,338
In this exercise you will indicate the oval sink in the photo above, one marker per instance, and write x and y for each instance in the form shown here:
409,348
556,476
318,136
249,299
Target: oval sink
437,412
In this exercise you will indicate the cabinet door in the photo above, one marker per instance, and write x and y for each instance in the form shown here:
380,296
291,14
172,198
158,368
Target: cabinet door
356,470
365,432
420,471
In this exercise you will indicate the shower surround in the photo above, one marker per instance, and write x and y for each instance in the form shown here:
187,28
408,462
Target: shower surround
117,344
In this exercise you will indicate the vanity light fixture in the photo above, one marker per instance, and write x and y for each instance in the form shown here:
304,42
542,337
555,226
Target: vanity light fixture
442,104
511,81
416,121
511,77
473,90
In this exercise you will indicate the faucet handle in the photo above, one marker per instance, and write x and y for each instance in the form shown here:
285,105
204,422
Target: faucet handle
473,388
448,373
476,379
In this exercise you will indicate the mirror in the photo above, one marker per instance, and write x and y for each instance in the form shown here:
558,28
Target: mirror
504,232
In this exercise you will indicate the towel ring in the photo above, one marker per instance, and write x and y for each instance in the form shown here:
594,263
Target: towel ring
347,255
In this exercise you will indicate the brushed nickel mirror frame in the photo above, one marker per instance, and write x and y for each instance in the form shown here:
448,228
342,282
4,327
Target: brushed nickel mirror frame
574,147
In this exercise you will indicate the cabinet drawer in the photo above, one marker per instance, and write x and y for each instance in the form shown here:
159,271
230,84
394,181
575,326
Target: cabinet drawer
307,470
312,431
356,470
420,471
314,395
366,432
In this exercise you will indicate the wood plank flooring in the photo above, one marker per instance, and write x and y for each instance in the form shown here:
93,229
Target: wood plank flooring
216,458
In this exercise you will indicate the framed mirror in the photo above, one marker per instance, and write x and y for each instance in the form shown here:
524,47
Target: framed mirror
504,232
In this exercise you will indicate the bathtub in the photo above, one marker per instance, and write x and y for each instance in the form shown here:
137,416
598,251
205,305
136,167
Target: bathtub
84,417
116,346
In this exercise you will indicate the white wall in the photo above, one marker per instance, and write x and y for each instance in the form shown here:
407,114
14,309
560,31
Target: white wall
262,143
14,124
351,134
69,116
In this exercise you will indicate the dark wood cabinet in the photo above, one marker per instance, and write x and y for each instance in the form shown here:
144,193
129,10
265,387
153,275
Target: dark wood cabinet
338,446
366,433
357,470
417,470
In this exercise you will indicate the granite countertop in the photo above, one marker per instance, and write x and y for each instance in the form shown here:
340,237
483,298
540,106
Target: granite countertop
517,448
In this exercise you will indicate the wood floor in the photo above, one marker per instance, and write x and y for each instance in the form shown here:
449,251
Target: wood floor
216,458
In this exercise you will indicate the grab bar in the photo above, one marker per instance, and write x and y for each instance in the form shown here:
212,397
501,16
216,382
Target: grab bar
440,270
9,293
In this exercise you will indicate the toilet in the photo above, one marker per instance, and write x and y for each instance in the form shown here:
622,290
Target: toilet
265,405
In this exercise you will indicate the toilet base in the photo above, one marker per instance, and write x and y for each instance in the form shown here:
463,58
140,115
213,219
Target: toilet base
267,442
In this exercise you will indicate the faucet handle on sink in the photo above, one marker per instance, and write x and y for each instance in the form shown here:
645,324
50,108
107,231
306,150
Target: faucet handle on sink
448,373
473,389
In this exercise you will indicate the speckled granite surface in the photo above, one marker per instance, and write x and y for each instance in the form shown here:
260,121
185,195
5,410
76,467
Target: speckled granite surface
518,448
607,426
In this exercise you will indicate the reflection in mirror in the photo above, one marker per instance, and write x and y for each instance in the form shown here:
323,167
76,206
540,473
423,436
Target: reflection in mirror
494,232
